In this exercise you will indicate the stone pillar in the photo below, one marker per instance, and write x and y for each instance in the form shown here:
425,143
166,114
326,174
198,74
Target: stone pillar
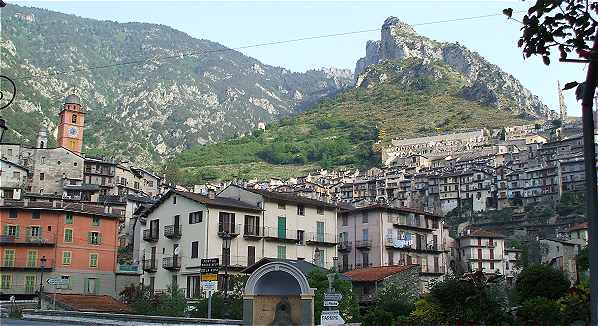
248,309
307,309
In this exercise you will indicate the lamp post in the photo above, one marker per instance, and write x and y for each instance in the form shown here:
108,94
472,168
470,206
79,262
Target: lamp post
317,254
3,128
41,281
226,240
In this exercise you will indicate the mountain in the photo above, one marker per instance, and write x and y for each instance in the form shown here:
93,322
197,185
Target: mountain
149,102
484,82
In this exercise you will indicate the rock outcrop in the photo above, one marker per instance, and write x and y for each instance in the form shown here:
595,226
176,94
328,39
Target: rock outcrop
485,83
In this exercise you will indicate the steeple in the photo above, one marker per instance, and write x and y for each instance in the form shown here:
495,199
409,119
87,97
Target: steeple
562,106
42,137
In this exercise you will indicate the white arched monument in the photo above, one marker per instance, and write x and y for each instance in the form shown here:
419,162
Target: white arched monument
275,285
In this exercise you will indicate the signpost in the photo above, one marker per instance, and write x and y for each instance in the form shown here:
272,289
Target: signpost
57,283
209,278
331,299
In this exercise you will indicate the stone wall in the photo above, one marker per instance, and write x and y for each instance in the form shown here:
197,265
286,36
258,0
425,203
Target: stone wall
264,307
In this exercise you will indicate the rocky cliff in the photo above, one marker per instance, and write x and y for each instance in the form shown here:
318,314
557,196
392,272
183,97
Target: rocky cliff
154,102
485,83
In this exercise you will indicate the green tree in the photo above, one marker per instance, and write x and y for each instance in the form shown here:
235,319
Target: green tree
575,305
540,280
348,306
539,311
377,317
398,298
427,314
234,308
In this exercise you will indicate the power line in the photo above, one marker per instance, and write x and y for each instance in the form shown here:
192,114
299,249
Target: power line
194,53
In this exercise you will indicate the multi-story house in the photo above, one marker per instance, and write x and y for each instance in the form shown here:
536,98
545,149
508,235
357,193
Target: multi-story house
382,235
136,181
481,250
72,241
511,265
572,173
100,172
13,179
561,254
182,228
579,234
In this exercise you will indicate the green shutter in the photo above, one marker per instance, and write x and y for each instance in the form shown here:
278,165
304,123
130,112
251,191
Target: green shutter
5,229
89,237
86,286
97,288
99,238
28,232
17,231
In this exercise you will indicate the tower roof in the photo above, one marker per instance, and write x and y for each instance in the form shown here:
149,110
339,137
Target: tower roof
72,99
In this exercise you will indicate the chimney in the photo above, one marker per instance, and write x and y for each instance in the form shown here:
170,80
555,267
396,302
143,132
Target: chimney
211,193
26,202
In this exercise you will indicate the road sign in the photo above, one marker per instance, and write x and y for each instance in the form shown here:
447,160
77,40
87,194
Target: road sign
209,277
209,285
334,296
330,303
331,317
209,266
57,281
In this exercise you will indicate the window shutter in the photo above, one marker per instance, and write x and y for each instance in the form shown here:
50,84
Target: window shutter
99,238
97,288
86,285
89,237
17,231
5,229
28,232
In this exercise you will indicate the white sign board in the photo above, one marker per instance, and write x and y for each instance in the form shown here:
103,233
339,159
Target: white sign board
333,296
329,303
331,317
209,285
57,281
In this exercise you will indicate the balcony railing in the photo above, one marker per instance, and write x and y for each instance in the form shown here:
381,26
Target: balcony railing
235,261
363,244
279,234
173,231
28,240
396,243
150,236
345,246
252,231
171,263
230,228
149,265
324,239
24,264
432,270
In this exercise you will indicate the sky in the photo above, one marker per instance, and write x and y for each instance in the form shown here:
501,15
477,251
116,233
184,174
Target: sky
235,24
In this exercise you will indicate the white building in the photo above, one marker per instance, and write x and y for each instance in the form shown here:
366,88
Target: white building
481,250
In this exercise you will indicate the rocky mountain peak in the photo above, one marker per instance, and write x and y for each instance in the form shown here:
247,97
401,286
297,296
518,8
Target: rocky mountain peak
485,82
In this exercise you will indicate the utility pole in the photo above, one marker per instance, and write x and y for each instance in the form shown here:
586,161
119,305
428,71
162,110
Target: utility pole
590,167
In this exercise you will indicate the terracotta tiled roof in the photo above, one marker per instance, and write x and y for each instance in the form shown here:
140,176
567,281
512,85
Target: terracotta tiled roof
285,197
373,274
98,303
579,226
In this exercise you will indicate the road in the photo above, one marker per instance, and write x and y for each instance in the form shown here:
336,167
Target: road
14,322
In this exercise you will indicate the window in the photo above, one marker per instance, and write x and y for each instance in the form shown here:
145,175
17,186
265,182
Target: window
35,215
74,118
30,283
345,219
9,258
300,209
364,217
320,211
174,200
91,285
195,249
69,218
43,160
365,259
35,231
6,281
95,221
68,235
281,252
32,258
11,231
16,175
226,222
94,238
365,234
195,217
67,278
300,237
282,206
12,213
10,152
136,186
93,260
66,257
41,177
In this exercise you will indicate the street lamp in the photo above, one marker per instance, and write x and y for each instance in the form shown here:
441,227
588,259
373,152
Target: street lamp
3,128
317,255
226,240
41,281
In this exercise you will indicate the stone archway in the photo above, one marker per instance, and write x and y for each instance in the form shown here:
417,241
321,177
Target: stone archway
270,284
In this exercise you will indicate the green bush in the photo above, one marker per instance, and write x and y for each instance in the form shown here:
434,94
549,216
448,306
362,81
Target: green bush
540,280
539,311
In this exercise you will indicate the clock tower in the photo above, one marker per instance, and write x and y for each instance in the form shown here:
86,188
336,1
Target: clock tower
70,127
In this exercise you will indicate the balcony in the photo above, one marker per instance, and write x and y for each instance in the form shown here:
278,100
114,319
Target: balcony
150,236
23,264
438,270
410,245
416,226
280,235
252,232
8,240
171,263
236,262
345,246
173,231
363,244
149,265
232,229
321,239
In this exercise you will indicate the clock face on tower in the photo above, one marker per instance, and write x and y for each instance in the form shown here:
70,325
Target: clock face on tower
72,131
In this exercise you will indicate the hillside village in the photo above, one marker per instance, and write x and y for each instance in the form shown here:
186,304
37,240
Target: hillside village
423,208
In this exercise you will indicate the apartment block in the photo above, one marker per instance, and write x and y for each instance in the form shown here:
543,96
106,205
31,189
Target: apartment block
481,250
77,241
